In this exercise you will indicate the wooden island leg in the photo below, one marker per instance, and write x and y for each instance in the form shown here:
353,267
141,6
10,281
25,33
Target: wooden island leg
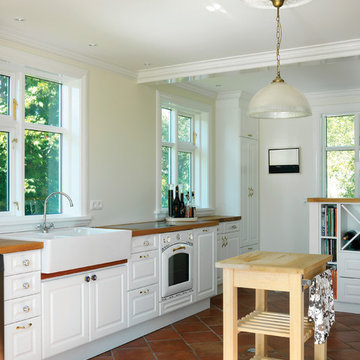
296,317
320,351
230,316
261,297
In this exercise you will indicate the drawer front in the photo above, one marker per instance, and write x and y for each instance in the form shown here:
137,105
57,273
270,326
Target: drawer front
23,340
175,303
349,290
143,304
21,285
144,243
232,226
248,248
22,262
143,269
21,309
349,265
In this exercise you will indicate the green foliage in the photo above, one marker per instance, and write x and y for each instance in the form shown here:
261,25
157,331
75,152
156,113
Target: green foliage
340,130
4,94
4,141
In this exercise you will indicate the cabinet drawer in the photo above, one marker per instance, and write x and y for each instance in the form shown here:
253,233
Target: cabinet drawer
21,285
248,248
349,290
21,262
232,226
175,303
23,340
349,264
144,243
143,269
21,309
143,304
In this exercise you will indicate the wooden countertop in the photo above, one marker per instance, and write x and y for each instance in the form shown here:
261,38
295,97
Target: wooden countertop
10,246
278,262
158,227
334,200
221,218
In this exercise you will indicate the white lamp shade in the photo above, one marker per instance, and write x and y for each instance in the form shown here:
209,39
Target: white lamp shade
278,100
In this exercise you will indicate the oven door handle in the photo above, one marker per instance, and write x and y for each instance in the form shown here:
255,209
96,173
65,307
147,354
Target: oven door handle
179,248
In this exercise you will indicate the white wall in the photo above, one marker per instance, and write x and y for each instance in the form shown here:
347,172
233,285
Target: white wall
283,208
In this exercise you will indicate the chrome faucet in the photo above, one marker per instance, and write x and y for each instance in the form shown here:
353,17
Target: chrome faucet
44,227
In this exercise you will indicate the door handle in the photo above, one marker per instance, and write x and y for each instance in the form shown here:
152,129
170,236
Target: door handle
179,248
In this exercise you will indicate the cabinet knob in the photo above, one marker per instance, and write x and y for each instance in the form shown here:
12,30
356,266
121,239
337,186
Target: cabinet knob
26,308
234,226
144,291
144,256
87,278
205,230
146,243
93,278
177,236
24,327
249,135
26,285
26,262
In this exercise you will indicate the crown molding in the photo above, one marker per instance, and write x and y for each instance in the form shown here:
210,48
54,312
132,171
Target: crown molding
351,93
250,61
37,45
239,95
197,90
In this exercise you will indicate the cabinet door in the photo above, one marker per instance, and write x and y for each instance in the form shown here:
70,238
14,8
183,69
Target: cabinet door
107,301
143,304
204,258
220,255
143,269
249,192
65,313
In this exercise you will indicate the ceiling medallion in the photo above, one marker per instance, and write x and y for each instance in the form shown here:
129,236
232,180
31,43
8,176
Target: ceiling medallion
267,4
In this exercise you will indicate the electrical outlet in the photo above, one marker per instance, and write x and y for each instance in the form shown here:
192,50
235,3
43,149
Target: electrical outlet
96,204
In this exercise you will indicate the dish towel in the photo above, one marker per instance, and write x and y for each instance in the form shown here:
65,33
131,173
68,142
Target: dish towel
321,306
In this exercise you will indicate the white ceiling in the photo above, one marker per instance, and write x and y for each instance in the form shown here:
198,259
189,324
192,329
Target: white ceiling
168,34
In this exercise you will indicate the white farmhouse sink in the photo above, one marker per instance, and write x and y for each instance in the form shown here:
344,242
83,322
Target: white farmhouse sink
71,248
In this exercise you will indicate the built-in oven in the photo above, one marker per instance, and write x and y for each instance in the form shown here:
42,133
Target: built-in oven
176,263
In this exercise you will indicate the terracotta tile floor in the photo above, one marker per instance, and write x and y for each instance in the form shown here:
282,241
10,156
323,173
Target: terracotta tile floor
199,337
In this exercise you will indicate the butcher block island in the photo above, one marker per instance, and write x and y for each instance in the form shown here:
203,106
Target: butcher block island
275,271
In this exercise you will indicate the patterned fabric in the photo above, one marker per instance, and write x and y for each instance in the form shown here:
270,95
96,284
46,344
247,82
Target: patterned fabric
321,306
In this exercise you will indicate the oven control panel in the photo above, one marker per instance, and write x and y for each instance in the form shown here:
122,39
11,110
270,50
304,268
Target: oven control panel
176,237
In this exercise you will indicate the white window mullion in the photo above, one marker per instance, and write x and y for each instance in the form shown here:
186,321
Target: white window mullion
175,158
357,167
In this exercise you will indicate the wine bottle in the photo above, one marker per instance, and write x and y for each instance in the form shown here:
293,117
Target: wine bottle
182,205
193,212
170,202
176,212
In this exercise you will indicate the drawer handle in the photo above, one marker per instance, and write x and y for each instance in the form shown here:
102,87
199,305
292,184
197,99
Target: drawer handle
234,227
87,279
93,278
250,248
26,285
26,308
205,230
144,291
26,262
24,327
146,243
144,256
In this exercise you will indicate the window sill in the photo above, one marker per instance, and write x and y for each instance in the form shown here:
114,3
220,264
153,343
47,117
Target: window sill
26,223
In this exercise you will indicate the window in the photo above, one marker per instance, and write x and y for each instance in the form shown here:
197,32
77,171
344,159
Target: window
341,155
41,143
184,156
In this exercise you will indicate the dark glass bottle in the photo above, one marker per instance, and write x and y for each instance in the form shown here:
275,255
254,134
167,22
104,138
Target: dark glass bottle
176,204
182,206
170,202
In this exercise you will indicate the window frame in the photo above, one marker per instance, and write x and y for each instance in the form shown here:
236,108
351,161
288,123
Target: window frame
201,148
74,135
325,149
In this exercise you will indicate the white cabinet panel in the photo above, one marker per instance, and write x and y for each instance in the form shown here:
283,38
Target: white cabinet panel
21,285
249,248
349,290
144,243
143,304
21,262
65,314
204,259
231,226
107,302
143,269
23,340
21,309
349,264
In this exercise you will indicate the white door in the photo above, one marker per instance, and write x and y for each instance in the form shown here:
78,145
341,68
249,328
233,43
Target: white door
249,192
65,311
108,311
204,259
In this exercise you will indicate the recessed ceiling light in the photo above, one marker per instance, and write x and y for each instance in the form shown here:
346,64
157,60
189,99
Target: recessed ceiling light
93,44
19,19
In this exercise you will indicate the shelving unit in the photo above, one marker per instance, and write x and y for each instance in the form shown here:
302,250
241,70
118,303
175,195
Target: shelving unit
334,226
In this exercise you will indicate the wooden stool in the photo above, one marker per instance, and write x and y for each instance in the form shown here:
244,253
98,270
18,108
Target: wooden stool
263,271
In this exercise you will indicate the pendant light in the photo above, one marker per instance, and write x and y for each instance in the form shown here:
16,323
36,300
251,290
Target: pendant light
278,100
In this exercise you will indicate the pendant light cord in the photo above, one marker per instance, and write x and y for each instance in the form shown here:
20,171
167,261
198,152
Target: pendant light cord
278,42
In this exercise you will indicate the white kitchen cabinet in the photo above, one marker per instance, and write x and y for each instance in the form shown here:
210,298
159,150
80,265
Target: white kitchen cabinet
22,310
204,263
83,307
249,193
